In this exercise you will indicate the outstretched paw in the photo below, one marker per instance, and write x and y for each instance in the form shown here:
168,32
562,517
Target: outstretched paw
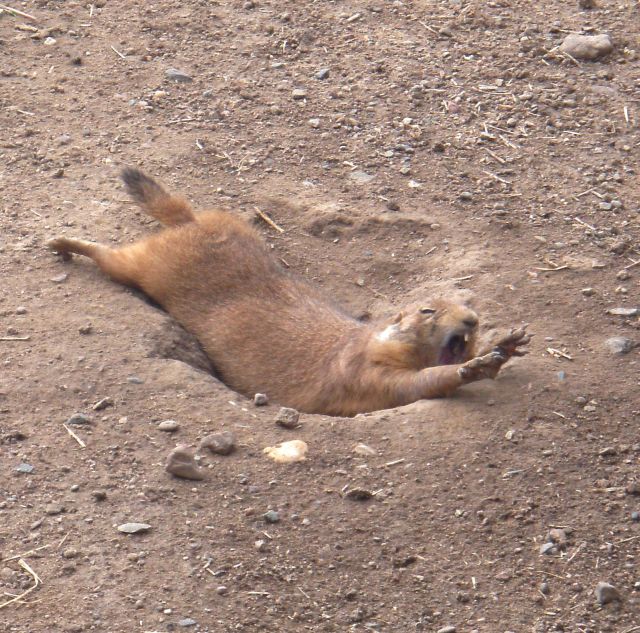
510,345
486,366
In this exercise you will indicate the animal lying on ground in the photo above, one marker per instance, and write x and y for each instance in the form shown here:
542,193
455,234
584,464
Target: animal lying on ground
268,331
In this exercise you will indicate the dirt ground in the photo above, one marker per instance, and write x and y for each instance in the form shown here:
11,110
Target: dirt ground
407,149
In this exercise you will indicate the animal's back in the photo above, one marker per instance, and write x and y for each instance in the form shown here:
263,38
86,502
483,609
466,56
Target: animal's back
263,329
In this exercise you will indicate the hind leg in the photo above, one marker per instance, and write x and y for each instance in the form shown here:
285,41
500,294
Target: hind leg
120,264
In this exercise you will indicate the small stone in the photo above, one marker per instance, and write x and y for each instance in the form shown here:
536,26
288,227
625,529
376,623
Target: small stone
586,47
448,629
134,528
79,419
64,139
314,123
85,329
609,451
466,196
588,292
299,93
69,553
135,380
260,545
627,312
364,450
606,593
323,73
619,344
635,516
173,74
547,548
49,41
287,452
222,590
75,488
632,488
261,400
358,494
622,275
99,495
219,443
60,279
21,310
103,404
544,588
361,177
288,418
54,508
185,622
168,426
587,4
558,536
181,463
24,468
392,205
271,516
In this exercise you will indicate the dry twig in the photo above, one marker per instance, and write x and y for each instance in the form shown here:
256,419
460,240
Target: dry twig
74,436
19,13
263,216
36,579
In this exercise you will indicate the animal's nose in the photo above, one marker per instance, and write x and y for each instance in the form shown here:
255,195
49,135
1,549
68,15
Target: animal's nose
470,321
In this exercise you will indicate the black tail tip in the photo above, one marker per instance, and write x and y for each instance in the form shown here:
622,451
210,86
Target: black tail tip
138,184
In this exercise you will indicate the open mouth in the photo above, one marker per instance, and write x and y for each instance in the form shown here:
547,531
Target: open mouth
454,349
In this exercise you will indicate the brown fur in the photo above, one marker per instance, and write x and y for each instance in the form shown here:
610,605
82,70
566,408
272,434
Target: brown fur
268,331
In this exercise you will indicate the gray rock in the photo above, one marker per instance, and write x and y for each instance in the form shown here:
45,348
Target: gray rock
619,344
173,74
185,622
271,516
288,418
260,400
448,629
219,443
24,468
547,548
181,463
587,47
134,528
54,508
79,419
361,177
323,73
606,593
168,426
466,196
299,94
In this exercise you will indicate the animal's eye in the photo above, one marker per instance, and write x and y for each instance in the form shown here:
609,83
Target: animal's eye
427,311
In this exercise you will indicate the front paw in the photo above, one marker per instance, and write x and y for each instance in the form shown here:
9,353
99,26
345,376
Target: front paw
510,344
481,367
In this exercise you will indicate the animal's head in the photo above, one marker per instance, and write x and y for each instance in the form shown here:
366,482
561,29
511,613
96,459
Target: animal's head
439,332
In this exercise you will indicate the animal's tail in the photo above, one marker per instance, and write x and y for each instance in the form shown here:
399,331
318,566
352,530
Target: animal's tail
155,199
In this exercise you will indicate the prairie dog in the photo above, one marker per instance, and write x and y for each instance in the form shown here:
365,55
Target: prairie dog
266,330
